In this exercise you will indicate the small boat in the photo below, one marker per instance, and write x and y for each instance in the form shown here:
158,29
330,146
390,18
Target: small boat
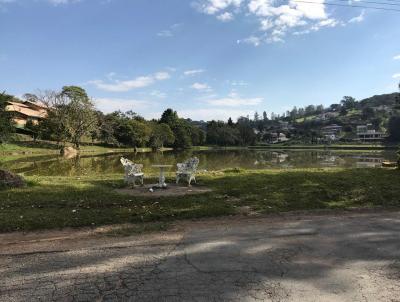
389,164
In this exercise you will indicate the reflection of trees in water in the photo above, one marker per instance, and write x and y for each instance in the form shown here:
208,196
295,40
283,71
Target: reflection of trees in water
209,160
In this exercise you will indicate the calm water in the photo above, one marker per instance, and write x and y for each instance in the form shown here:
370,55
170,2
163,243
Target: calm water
209,160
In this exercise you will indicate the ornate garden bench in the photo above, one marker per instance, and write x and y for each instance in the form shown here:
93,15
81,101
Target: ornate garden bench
187,170
132,171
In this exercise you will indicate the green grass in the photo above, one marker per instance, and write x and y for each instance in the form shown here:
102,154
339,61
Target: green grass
57,202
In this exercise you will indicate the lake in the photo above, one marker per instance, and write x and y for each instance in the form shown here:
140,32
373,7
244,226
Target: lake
53,165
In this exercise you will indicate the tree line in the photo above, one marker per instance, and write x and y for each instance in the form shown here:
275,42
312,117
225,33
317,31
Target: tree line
72,117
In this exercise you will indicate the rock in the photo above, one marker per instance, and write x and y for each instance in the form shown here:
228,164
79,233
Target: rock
10,180
245,210
69,152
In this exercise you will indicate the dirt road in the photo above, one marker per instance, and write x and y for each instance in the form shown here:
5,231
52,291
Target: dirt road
330,257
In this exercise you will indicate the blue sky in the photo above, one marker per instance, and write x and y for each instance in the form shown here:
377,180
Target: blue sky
207,59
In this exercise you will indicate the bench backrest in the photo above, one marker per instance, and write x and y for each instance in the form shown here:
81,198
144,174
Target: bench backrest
189,166
130,167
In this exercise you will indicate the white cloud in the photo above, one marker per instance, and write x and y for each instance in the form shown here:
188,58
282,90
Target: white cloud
396,76
234,100
276,19
108,105
158,94
201,86
238,83
358,18
193,72
122,86
170,32
396,57
253,40
225,17
314,11
59,2
54,2
165,33
212,7
214,114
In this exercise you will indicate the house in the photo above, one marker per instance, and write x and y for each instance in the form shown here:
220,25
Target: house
283,125
26,111
366,133
326,116
278,138
331,130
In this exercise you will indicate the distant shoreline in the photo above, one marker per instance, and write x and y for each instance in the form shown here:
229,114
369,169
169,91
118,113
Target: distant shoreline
15,150
325,147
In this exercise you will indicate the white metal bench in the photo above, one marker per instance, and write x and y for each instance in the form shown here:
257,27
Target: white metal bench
132,171
187,170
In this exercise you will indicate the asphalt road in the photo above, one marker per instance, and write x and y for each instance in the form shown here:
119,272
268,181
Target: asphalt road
334,257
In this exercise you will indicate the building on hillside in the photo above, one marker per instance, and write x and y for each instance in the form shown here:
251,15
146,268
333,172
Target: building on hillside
278,138
366,133
26,111
283,125
331,130
326,116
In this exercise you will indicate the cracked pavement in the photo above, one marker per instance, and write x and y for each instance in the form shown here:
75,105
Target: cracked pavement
317,257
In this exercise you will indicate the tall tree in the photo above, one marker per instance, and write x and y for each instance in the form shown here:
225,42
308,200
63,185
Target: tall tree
348,102
80,115
6,122
161,135
169,117
256,116
265,116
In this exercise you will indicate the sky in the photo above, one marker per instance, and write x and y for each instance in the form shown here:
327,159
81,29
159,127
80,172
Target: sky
207,59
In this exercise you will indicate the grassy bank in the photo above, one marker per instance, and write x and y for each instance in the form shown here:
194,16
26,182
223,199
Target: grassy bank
56,202
42,148
45,147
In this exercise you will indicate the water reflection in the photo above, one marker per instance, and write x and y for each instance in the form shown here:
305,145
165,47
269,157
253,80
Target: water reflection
209,160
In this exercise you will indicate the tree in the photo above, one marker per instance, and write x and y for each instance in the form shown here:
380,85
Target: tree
230,122
319,109
265,117
182,137
80,113
6,122
343,111
161,135
31,97
33,128
70,116
197,136
348,102
335,107
169,117
367,113
246,132
394,128
256,116
309,110
293,114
